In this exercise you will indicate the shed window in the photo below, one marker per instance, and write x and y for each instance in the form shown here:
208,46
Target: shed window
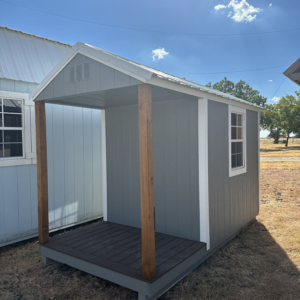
11,128
237,143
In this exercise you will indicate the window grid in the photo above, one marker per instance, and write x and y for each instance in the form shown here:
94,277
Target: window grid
11,128
237,141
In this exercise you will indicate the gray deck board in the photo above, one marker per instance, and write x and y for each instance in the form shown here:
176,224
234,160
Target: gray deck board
118,248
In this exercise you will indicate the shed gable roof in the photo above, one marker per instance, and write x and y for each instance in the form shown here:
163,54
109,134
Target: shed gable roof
293,72
135,70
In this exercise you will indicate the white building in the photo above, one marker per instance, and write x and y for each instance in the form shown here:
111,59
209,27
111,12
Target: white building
25,60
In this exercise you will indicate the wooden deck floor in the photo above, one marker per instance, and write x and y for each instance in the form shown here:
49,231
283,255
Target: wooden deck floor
118,248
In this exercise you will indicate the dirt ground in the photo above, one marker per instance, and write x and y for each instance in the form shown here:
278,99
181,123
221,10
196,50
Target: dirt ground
262,262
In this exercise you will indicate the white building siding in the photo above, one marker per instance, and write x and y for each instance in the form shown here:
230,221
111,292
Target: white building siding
74,177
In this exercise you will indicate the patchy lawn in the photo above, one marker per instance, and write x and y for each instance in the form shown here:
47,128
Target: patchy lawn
262,262
279,150
286,165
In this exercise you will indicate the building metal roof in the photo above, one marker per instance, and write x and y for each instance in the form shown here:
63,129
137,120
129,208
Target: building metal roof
129,67
293,72
28,57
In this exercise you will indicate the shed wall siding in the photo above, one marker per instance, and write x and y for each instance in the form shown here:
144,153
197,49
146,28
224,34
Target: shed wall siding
233,201
175,151
101,77
16,86
74,176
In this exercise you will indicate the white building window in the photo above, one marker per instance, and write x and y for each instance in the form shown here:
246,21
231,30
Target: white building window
11,128
237,141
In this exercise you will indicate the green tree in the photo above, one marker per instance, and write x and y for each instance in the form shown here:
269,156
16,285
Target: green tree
240,89
282,117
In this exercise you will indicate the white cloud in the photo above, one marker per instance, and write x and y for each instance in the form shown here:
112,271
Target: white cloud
159,53
220,6
276,99
242,11
270,80
271,4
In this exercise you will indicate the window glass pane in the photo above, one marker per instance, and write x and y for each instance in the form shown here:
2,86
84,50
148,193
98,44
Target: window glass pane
1,150
233,119
0,105
233,161
1,136
240,120
12,136
239,147
12,120
12,150
233,133
233,148
1,125
239,160
239,133
14,106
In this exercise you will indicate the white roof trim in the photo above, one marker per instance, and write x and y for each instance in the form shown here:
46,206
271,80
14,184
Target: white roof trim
131,68
292,67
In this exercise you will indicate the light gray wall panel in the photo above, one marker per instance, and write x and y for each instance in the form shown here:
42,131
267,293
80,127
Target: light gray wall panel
16,86
101,77
24,199
74,175
233,201
88,163
175,151
81,86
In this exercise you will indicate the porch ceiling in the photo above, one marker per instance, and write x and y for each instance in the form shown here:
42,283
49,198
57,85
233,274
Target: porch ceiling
116,97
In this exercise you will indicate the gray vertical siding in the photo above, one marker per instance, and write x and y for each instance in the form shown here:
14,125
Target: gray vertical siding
74,176
175,151
233,201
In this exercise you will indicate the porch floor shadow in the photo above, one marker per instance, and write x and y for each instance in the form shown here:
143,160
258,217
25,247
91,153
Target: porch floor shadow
118,248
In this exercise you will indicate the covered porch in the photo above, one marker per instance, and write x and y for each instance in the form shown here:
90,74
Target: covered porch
138,257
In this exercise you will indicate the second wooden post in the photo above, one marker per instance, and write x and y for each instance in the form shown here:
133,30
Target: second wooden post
146,179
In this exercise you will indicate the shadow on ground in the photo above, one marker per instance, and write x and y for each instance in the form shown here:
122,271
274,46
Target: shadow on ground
280,149
251,266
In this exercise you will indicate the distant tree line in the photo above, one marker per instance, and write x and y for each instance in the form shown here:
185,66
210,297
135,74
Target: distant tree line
281,118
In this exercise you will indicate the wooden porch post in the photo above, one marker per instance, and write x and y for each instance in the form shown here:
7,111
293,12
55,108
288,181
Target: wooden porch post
42,176
146,178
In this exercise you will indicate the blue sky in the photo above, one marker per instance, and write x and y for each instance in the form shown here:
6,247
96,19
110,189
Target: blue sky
187,54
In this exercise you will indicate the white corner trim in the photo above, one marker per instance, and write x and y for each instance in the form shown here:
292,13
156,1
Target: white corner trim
239,110
104,173
203,171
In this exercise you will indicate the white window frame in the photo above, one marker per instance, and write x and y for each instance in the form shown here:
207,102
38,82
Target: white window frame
28,131
239,170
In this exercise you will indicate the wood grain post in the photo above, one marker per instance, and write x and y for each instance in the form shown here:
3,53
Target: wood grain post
146,178
42,176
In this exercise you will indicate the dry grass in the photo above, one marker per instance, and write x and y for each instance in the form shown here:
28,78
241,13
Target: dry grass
279,150
280,165
262,262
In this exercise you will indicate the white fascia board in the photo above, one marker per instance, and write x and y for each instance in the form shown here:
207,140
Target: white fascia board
198,93
292,68
98,55
115,62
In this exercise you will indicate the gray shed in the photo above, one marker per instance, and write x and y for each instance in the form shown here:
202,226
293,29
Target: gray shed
180,170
